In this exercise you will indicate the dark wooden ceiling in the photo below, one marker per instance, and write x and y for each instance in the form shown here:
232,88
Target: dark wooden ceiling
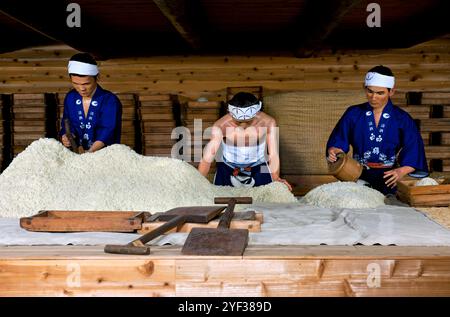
113,28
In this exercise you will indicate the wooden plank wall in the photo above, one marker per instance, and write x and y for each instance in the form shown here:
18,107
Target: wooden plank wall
422,67
331,79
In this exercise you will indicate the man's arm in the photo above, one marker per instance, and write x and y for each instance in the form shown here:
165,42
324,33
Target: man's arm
274,157
210,151
272,148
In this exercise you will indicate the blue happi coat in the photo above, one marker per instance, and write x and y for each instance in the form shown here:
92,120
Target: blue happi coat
102,123
396,133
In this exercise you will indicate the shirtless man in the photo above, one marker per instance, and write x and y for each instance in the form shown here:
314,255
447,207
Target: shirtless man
239,140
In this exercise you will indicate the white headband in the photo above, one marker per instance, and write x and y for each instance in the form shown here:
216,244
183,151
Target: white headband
81,68
247,113
378,80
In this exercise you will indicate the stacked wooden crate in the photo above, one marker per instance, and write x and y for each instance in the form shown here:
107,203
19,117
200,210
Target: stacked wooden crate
156,115
28,120
438,126
417,111
199,118
432,111
128,133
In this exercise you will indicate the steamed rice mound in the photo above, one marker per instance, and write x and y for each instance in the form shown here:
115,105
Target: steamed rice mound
344,195
47,176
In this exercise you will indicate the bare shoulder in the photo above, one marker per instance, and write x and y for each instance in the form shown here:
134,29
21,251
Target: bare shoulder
223,120
223,123
266,119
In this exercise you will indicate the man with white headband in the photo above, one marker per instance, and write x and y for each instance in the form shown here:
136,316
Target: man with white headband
385,138
95,114
239,141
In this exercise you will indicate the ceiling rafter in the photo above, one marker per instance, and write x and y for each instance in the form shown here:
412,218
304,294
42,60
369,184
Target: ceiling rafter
54,29
188,18
317,22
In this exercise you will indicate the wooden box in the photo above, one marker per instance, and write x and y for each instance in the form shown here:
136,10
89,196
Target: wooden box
424,196
78,221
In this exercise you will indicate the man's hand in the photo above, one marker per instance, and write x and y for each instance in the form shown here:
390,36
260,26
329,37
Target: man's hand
393,176
95,147
65,141
332,152
285,182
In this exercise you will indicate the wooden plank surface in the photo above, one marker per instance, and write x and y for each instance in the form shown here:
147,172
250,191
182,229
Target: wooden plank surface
253,252
261,271
251,225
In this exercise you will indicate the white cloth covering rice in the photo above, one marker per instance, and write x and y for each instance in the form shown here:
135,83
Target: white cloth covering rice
47,176
284,224
344,195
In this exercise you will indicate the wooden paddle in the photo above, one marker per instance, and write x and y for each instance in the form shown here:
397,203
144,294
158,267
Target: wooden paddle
176,217
220,241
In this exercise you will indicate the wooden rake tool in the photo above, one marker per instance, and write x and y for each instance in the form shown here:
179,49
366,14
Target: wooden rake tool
220,240
176,217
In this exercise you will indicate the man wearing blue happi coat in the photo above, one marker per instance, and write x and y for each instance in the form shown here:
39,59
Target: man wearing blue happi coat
95,114
385,138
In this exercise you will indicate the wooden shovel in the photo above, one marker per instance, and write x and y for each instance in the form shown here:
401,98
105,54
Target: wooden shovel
220,241
176,217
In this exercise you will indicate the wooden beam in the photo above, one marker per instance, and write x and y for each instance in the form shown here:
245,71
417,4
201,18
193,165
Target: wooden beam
187,17
319,19
426,25
19,36
28,26
49,20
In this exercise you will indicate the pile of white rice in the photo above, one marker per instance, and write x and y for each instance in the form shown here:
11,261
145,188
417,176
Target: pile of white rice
344,195
427,181
47,176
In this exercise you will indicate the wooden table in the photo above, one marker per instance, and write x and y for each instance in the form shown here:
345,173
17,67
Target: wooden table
261,271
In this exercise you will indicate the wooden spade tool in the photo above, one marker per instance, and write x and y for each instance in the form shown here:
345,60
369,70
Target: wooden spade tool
176,217
220,240
69,135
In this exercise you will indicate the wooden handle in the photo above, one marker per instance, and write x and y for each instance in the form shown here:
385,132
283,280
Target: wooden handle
175,222
237,200
225,220
127,249
69,135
